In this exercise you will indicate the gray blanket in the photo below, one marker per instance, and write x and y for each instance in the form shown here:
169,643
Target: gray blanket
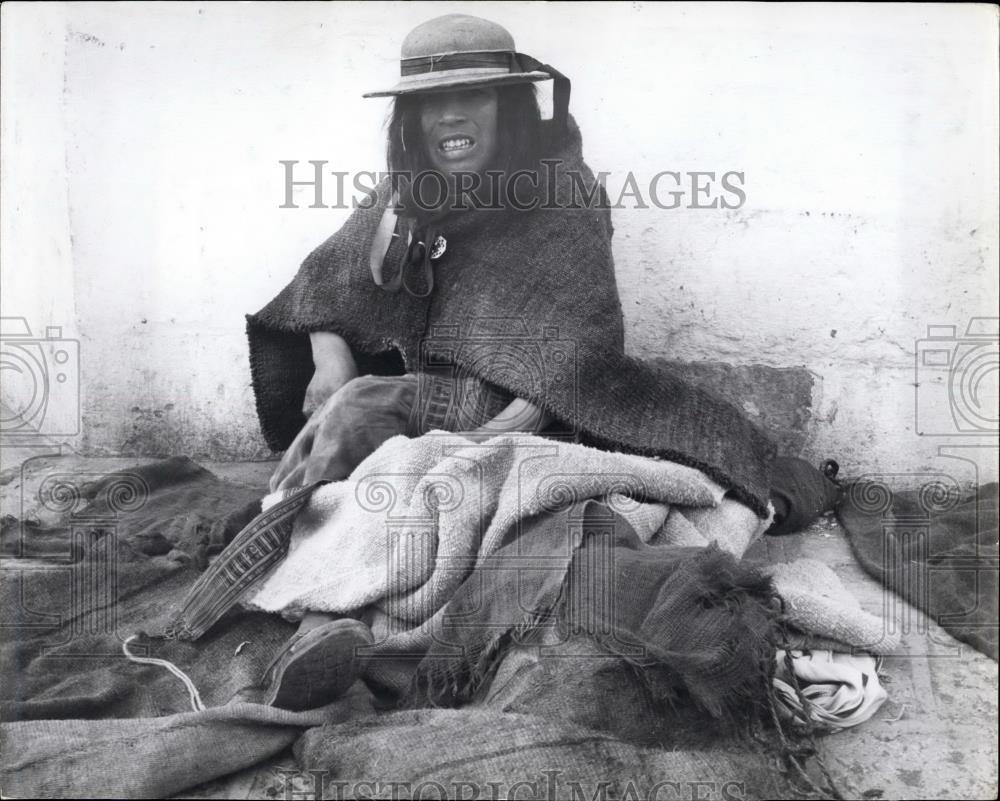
81,720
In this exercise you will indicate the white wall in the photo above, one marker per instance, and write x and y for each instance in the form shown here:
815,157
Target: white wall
142,188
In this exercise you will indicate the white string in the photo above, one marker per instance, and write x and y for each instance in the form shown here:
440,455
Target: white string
196,703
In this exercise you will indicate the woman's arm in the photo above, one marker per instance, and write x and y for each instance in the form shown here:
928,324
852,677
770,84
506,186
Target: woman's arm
518,415
334,367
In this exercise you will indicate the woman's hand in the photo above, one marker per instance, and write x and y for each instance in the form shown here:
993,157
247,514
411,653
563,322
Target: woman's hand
334,367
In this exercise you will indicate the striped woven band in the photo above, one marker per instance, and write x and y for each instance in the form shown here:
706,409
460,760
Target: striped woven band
499,61
243,564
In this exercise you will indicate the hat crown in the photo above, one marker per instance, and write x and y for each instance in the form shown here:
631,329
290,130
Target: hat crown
456,33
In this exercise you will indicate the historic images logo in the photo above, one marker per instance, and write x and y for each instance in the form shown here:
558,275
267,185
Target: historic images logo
553,187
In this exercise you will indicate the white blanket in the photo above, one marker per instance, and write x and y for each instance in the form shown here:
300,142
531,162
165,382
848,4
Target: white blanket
392,543
414,519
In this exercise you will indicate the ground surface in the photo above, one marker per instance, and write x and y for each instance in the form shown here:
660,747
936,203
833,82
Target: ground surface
936,736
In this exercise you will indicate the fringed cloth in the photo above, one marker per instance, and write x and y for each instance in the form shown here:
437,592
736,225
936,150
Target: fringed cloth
694,615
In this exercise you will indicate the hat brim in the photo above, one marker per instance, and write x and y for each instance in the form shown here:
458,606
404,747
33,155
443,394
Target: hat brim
442,82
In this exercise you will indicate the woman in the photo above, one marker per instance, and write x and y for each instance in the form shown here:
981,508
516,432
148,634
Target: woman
490,306
446,134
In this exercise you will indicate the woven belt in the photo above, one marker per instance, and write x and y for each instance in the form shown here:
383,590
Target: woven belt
246,561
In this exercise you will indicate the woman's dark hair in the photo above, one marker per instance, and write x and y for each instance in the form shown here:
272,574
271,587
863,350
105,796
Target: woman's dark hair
519,131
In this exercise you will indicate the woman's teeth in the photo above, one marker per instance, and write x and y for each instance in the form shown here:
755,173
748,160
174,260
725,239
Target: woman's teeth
456,143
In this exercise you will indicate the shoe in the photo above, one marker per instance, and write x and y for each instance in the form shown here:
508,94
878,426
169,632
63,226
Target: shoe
317,667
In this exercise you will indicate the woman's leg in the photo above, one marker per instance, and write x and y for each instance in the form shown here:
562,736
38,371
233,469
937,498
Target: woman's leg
345,430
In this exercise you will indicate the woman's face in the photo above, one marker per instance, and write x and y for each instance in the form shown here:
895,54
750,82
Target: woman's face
460,129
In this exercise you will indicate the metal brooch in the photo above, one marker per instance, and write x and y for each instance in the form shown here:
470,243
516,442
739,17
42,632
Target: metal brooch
438,248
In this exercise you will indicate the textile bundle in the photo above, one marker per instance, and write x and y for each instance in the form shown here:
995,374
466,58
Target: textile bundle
447,547
599,681
842,690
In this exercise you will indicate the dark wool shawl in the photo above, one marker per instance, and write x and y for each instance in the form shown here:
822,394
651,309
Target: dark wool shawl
524,300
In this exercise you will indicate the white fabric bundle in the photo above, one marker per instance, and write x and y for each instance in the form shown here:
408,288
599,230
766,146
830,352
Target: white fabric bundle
842,690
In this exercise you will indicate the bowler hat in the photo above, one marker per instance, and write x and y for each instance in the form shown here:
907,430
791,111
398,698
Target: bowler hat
461,51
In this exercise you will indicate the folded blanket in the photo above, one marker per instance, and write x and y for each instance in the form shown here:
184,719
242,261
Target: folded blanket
936,547
421,516
431,506
816,602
